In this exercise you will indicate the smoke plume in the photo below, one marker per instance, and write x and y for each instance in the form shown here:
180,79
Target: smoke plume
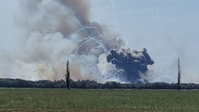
54,31
58,30
131,63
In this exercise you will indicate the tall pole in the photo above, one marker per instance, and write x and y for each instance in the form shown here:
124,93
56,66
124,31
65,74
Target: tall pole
179,73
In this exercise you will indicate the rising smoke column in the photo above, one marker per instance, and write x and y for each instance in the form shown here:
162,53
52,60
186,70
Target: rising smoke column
71,19
54,31
130,63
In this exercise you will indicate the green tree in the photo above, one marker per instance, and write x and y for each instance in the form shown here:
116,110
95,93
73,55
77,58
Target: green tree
67,75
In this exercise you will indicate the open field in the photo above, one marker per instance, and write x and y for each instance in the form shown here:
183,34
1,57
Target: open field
98,100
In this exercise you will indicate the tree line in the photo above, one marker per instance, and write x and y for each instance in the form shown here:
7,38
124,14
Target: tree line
87,84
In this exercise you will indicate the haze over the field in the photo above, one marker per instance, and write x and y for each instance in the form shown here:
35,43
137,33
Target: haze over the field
46,33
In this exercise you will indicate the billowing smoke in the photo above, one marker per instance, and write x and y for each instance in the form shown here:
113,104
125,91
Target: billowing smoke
130,63
54,31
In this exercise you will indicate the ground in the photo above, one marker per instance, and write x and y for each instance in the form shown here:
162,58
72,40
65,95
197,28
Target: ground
62,100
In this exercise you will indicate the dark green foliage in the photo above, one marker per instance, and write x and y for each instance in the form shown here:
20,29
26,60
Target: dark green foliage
179,73
87,84
67,75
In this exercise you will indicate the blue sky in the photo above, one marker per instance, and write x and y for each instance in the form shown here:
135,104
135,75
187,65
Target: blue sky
8,14
167,28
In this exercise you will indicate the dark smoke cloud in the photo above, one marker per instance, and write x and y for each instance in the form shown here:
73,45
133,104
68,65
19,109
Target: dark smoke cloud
131,63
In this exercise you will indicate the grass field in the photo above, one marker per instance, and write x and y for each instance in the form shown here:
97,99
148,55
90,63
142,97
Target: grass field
58,100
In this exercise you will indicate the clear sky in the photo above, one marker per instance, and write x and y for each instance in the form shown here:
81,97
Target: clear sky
8,28
167,28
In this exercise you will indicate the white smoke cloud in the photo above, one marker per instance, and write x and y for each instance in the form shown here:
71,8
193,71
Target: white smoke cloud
52,32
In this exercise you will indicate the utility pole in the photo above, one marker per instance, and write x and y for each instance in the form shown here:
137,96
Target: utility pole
67,75
179,73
